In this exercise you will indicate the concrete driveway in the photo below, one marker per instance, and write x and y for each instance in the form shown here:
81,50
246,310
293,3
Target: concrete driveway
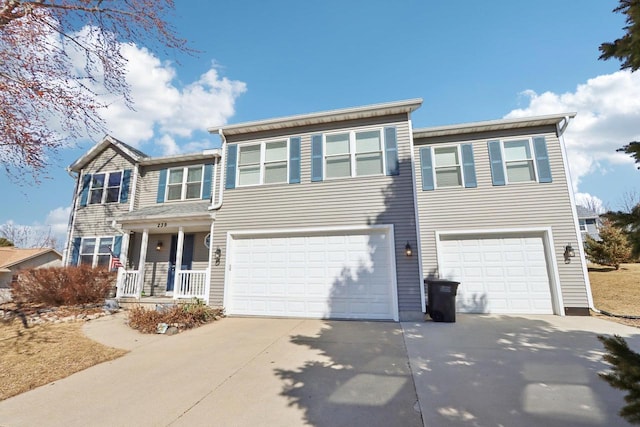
480,371
515,371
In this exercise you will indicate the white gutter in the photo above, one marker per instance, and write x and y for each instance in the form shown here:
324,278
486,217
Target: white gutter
218,205
560,129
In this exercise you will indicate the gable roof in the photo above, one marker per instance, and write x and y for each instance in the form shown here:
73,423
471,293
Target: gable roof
375,110
133,153
584,212
10,256
492,125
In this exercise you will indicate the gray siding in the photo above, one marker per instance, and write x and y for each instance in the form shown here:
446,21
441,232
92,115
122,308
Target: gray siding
357,201
518,205
91,220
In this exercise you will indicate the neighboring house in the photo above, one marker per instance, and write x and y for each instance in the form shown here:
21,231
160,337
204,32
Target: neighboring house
12,260
340,214
589,222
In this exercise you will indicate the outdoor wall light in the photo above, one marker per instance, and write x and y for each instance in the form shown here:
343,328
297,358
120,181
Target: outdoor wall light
407,249
159,245
217,254
568,253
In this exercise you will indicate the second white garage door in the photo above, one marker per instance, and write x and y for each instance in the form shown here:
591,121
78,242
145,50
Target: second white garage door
345,275
498,275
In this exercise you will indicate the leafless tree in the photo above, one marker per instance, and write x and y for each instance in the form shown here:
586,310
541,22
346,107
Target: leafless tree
59,59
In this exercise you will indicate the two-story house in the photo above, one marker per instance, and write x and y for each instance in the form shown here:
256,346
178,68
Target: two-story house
340,214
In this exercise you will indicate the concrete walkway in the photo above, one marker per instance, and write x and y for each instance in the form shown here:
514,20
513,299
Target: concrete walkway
235,372
515,371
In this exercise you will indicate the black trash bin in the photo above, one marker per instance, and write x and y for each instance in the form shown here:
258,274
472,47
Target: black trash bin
441,295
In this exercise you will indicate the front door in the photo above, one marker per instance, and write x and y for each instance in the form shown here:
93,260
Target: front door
187,257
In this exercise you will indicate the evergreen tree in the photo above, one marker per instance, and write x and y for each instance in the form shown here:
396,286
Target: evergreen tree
625,374
5,242
612,249
632,149
630,223
627,48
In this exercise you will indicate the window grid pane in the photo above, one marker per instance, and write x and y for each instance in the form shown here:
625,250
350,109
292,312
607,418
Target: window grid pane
367,142
174,192
193,190
194,174
338,166
275,173
275,151
175,176
249,175
368,164
337,144
249,154
446,156
448,177
520,171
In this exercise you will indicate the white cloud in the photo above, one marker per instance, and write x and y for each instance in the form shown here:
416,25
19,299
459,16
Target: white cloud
608,108
163,110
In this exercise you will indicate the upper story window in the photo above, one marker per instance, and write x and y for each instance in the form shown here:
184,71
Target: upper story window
583,224
105,187
518,161
450,166
521,160
446,163
355,153
96,251
184,183
263,163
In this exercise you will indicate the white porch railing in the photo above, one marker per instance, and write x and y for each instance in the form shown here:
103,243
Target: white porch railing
190,284
129,285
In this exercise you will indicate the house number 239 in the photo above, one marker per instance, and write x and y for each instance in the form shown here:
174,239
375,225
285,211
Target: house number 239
162,224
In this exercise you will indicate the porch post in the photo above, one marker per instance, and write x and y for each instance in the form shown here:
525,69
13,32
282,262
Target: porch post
207,287
143,259
177,287
124,250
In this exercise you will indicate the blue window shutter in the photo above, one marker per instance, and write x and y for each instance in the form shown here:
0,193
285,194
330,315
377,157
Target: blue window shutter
162,186
117,244
495,157
75,250
427,169
542,159
124,189
206,181
84,194
294,160
468,166
232,160
317,158
391,151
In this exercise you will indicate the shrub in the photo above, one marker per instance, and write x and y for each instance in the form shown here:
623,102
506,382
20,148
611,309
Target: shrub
58,286
612,249
183,316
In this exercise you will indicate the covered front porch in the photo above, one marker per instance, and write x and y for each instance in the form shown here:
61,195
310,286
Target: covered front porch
165,257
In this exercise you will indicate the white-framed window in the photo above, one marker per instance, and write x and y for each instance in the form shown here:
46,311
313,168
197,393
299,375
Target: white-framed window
583,224
184,183
263,163
105,187
518,160
95,251
447,166
354,153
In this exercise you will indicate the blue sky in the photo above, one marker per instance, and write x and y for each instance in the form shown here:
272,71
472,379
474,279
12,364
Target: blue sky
469,61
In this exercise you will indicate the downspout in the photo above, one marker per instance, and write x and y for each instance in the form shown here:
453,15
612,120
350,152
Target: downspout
218,205
585,273
72,218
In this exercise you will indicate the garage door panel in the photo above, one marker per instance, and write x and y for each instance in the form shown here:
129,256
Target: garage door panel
340,276
512,276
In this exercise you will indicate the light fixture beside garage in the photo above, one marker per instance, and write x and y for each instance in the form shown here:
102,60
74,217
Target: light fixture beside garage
407,249
217,254
568,253
159,245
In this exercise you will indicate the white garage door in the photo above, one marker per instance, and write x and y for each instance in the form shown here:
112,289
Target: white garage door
342,275
498,275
